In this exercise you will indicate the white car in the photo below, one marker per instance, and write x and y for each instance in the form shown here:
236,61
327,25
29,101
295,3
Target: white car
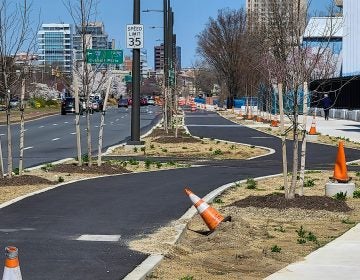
151,101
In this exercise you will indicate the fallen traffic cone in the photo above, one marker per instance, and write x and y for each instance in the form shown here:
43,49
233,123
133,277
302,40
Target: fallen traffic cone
12,268
312,130
340,169
211,217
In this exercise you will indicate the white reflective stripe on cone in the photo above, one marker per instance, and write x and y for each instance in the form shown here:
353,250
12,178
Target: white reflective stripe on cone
194,198
202,207
12,273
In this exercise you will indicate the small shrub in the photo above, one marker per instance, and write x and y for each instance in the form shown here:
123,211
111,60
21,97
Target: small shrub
251,184
147,163
210,149
16,171
280,229
143,149
184,148
133,162
47,167
158,164
309,183
357,173
252,147
61,179
232,147
281,188
135,149
311,237
301,232
217,142
171,163
85,158
218,200
340,196
164,150
275,249
217,152
124,163
301,241
356,194
152,146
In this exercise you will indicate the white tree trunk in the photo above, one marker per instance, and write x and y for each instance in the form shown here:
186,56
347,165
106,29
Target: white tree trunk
101,130
22,121
77,120
283,139
303,145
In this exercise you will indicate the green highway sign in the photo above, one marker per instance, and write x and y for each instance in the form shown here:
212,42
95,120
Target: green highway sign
104,56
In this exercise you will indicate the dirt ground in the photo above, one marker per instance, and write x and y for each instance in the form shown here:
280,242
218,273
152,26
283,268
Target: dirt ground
259,240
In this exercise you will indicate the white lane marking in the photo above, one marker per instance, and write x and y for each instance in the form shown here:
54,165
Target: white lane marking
66,122
55,139
96,126
41,126
102,238
25,129
15,229
261,137
27,148
2,134
214,125
117,120
55,124
73,133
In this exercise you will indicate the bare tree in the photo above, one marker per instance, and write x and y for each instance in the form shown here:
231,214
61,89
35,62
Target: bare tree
294,63
16,34
222,45
83,13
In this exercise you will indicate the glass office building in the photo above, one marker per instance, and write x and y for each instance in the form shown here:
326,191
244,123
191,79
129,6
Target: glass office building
55,46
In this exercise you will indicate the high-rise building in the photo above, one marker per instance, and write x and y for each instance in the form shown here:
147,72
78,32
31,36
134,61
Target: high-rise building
55,46
95,37
262,11
159,57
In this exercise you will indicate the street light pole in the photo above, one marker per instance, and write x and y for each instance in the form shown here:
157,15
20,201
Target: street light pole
135,110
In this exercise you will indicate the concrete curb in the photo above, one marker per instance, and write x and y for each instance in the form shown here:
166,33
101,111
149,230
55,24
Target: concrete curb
150,263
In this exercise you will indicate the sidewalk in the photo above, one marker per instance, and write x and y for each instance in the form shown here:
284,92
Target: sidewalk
336,127
338,259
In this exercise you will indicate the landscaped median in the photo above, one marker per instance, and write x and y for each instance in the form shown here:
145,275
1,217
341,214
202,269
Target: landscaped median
266,232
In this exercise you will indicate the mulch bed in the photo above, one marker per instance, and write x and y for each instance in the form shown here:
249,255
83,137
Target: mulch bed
23,180
105,168
172,139
278,201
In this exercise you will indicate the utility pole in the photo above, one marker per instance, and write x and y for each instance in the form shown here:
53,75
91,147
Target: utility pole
135,109
165,65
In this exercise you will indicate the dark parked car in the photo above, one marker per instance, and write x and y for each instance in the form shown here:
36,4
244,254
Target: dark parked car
143,101
123,102
68,106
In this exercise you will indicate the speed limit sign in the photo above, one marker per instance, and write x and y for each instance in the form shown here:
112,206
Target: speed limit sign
134,36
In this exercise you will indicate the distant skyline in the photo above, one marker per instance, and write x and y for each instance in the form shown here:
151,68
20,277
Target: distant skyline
190,16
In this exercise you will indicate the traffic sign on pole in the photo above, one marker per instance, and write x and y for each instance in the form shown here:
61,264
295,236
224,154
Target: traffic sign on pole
135,36
104,56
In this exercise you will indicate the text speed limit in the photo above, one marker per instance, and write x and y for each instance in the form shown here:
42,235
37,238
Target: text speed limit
134,36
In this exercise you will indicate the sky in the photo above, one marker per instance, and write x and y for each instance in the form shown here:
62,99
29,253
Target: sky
190,17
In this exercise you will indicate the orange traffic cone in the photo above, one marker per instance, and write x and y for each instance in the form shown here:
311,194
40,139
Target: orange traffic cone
274,122
211,217
340,169
12,268
312,130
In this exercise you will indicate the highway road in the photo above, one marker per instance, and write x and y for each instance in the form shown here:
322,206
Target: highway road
53,138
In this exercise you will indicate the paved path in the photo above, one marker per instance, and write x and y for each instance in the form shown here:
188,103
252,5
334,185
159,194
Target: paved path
53,229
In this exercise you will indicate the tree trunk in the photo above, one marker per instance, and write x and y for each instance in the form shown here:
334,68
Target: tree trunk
303,144
9,140
22,121
102,123
283,139
77,120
